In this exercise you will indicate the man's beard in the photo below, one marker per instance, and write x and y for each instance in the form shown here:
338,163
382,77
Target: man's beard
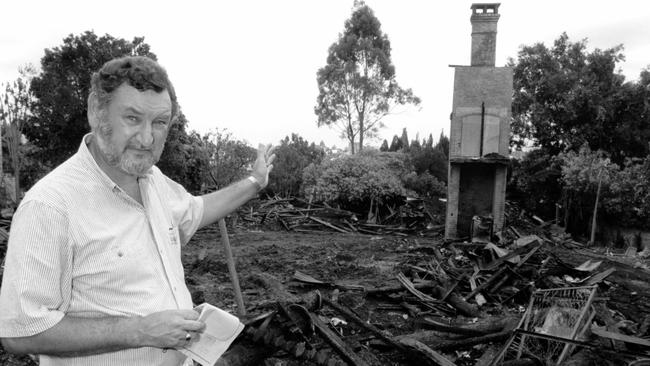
120,159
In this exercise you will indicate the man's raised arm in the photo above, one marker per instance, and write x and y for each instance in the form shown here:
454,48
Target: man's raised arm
219,204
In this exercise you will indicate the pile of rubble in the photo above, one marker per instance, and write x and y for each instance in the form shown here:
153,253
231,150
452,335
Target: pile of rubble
514,299
417,216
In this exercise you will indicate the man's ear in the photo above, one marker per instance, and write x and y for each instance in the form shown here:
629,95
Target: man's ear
93,111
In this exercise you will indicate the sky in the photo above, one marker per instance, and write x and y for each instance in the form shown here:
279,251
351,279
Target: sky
249,67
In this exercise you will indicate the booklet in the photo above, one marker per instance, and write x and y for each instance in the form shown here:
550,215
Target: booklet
221,328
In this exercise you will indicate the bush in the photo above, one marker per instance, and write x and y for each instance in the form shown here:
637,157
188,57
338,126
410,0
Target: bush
230,159
534,182
354,181
292,157
628,203
425,185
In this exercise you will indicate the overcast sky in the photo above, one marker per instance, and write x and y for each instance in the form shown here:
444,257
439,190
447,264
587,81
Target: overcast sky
250,66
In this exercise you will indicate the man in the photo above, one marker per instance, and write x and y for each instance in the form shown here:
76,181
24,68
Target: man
93,273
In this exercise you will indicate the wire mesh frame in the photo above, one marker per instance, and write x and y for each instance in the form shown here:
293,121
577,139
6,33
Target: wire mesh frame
576,299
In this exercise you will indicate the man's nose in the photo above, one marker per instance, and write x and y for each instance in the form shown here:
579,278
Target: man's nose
145,135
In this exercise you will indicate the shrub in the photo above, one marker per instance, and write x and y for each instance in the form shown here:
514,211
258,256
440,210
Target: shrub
354,181
534,182
292,157
628,203
425,185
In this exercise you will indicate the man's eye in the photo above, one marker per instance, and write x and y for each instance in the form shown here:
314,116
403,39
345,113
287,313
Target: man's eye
161,122
132,118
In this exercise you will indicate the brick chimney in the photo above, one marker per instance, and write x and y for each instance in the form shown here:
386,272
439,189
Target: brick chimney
484,33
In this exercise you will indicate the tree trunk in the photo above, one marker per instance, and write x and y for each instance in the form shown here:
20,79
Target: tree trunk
593,222
361,133
351,136
17,181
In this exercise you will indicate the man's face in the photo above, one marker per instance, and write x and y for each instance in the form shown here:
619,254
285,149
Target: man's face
131,130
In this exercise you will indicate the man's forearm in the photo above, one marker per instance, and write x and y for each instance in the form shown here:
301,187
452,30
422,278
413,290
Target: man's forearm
74,336
219,204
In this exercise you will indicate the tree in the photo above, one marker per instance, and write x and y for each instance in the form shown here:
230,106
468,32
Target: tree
384,146
230,159
535,182
360,182
15,105
185,157
357,86
292,157
565,96
396,144
628,203
586,172
59,111
429,160
405,140
442,145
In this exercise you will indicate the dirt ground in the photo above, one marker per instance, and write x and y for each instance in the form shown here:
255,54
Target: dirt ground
351,259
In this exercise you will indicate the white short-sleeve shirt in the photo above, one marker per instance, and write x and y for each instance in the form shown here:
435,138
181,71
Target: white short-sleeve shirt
80,246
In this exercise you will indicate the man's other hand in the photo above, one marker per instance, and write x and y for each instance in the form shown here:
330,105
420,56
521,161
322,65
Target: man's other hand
168,329
263,164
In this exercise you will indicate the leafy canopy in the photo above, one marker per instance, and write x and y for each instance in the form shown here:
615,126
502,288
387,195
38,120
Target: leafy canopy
357,86
354,181
59,111
565,96
292,157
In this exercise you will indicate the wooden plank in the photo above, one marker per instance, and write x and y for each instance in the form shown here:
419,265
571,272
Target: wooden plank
328,224
336,342
599,277
352,316
485,284
620,337
495,263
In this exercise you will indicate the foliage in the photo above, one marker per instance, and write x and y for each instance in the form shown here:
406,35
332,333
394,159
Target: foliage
582,171
425,185
396,144
428,160
629,201
292,157
535,182
230,159
405,140
59,111
566,96
384,146
357,86
185,158
442,145
354,181
15,104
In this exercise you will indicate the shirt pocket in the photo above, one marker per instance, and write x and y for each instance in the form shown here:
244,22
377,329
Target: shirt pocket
117,266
